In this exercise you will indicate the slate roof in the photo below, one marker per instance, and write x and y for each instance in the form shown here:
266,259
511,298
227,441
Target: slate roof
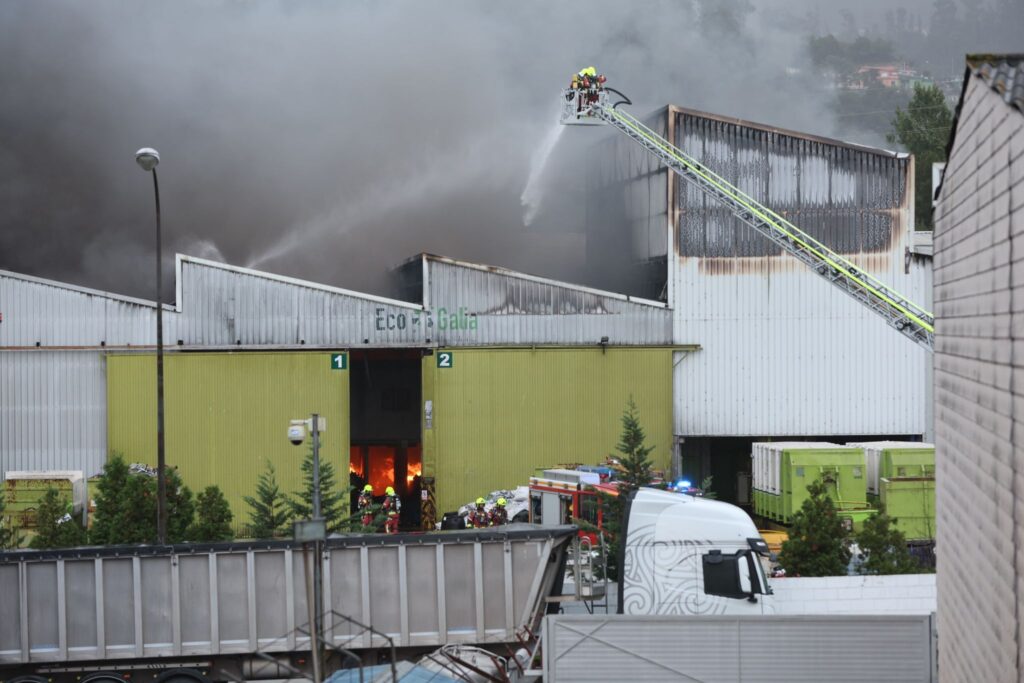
1003,73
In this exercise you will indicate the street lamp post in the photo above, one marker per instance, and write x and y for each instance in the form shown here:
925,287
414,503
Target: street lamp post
148,158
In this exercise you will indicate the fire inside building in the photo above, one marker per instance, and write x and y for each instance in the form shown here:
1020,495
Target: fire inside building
479,376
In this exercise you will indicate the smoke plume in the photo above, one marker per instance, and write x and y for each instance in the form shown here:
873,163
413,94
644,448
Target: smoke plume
330,141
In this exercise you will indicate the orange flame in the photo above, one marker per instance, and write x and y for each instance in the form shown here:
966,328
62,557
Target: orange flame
413,470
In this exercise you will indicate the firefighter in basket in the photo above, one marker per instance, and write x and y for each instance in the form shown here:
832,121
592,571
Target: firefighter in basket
392,507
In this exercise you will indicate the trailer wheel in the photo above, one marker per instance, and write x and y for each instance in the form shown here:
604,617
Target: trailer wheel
103,677
28,679
182,675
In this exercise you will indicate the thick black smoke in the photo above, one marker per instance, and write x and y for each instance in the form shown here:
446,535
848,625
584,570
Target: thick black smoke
330,141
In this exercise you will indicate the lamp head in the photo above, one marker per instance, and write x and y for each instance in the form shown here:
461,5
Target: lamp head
147,158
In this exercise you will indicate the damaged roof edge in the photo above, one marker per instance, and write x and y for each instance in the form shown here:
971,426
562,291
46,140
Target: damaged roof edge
183,258
674,109
505,272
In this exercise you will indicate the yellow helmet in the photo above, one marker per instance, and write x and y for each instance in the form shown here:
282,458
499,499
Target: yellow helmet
390,491
480,501
368,489
502,501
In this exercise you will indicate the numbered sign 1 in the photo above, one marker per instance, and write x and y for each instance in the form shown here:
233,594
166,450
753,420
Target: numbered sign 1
339,361
445,359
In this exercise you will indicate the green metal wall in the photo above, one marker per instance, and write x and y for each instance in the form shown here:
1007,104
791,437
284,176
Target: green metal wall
911,501
844,467
226,415
499,415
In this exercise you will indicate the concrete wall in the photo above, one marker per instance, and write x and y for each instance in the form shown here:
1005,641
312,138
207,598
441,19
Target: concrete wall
902,594
979,274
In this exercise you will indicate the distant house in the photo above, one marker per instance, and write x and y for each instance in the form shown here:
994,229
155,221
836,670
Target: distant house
887,75
979,414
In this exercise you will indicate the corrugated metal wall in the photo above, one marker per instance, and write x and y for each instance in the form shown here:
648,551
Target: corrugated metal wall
52,411
46,313
784,353
478,306
979,449
226,416
498,415
223,305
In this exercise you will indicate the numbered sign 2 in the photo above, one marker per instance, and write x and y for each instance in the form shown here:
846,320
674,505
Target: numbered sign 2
445,359
339,361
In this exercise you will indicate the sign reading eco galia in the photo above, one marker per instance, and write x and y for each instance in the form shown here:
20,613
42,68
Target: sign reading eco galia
444,319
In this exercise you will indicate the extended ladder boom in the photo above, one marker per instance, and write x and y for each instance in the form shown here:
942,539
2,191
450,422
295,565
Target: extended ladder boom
591,105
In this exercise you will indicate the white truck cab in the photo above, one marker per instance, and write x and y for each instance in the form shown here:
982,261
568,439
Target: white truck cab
689,555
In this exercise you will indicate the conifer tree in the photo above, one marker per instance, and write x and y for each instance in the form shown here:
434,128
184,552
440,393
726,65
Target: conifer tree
634,456
817,539
884,547
213,517
333,502
126,506
56,527
111,503
269,511
9,536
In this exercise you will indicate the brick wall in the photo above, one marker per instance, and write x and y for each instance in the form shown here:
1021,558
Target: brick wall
979,307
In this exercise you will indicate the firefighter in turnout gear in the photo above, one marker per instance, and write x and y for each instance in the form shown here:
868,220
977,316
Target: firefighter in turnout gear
392,507
365,504
499,514
478,516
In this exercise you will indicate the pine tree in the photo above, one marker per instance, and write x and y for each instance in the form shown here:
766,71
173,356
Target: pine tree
213,517
924,130
269,511
55,525
9,536
817,540
636,464
126,506
634,454
180,506
111,502
333,502
884,548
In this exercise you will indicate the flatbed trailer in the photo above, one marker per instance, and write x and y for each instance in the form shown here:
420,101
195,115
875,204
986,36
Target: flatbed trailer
229,610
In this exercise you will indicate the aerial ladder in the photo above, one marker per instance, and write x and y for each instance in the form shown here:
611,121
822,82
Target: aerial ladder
588,101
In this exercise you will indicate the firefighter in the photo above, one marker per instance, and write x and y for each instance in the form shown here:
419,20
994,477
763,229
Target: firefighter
499,515
392,507
365,504
478,516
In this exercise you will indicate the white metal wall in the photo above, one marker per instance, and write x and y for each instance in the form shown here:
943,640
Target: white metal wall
225,305
783,352
503,307
45,313
740,649
786,353
53,411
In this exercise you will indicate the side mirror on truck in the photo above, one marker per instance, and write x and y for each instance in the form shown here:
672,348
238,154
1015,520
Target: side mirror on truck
732,576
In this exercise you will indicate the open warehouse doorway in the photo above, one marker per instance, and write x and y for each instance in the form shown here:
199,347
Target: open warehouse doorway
385,443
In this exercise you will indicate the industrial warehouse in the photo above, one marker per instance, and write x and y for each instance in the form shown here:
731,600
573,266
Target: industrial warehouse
479,376
405,342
